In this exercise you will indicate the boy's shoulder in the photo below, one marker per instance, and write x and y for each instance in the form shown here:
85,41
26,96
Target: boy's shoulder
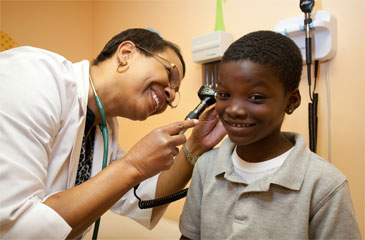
317,167
306,171
318,177
323,173
223,150
218,155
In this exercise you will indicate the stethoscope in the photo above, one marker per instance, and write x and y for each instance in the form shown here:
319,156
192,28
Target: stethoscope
104,131
206,94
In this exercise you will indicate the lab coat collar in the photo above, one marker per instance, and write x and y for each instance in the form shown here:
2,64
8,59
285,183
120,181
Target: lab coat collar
80,71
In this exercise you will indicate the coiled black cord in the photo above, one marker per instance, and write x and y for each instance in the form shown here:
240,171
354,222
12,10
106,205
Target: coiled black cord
312,113
143,204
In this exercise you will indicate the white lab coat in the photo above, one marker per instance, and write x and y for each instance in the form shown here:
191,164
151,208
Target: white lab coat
43,105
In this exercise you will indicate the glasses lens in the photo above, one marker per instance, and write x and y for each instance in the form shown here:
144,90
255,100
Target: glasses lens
174,78
176,100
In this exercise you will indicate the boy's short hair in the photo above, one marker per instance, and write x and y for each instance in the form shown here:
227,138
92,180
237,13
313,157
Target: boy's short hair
272,49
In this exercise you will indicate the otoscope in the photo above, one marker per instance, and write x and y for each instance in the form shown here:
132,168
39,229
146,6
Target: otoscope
207,97
306,6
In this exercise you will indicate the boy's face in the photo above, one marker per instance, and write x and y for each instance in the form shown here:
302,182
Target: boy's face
251,103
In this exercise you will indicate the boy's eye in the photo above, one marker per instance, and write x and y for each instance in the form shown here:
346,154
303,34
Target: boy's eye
256,98
222,95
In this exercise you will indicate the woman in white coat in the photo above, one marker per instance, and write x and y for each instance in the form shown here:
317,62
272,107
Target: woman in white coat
52,186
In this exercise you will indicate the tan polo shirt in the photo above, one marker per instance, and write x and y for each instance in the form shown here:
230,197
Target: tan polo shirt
306,198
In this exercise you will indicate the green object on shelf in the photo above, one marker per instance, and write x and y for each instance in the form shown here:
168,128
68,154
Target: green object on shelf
219,22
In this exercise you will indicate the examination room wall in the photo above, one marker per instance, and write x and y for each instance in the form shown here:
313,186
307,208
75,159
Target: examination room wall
64,27
79,29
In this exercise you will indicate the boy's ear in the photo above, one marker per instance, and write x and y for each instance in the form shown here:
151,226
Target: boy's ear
293,101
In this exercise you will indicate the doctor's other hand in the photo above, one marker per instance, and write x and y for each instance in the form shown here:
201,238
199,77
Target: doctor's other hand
208,133
156,151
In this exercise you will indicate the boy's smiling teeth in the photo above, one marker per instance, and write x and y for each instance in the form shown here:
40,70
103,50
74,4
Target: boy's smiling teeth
156,100
241,125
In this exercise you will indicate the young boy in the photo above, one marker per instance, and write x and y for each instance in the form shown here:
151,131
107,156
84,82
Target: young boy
263,183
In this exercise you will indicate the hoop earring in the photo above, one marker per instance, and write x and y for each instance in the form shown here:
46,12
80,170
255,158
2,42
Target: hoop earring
122,67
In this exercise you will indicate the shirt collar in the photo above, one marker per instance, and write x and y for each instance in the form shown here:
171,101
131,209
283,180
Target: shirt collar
298,159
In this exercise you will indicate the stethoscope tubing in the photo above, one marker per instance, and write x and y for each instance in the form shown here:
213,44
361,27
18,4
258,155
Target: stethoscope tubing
104,131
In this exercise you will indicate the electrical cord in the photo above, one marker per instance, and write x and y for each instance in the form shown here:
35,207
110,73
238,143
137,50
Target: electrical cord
329,114
143,204
309,82
312,112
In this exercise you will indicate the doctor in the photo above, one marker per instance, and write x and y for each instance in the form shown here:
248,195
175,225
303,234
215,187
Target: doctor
52,186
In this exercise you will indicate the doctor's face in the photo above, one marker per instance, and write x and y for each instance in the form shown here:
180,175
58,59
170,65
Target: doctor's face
153,83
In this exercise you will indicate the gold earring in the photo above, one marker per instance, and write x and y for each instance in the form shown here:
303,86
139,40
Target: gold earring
122,67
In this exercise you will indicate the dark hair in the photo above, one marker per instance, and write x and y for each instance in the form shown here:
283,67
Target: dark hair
271,49
141,37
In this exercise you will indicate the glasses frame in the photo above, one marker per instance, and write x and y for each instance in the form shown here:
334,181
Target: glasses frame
169,66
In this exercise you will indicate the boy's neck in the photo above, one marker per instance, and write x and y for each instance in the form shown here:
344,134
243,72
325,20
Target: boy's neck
265,149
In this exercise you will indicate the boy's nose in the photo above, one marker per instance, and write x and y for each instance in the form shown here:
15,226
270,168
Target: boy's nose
237,110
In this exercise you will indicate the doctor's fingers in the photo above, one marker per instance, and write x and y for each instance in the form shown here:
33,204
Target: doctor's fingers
177,127
151,155
161,144
165,143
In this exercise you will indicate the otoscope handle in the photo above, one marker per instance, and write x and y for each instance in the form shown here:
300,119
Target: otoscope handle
192,115
308,52
198,110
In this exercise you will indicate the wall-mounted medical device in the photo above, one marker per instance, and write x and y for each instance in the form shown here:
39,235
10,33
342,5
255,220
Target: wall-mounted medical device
210,47
208,50
324,34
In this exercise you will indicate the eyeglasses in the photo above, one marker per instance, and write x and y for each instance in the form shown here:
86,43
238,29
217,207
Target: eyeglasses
173,74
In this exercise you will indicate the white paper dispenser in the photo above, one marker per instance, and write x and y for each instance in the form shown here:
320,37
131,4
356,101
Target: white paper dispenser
210,47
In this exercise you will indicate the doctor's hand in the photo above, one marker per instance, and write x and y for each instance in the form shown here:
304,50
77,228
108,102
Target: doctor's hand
156,151
208,133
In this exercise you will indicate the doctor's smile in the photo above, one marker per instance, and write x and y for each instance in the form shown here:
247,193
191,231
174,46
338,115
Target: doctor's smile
155,100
